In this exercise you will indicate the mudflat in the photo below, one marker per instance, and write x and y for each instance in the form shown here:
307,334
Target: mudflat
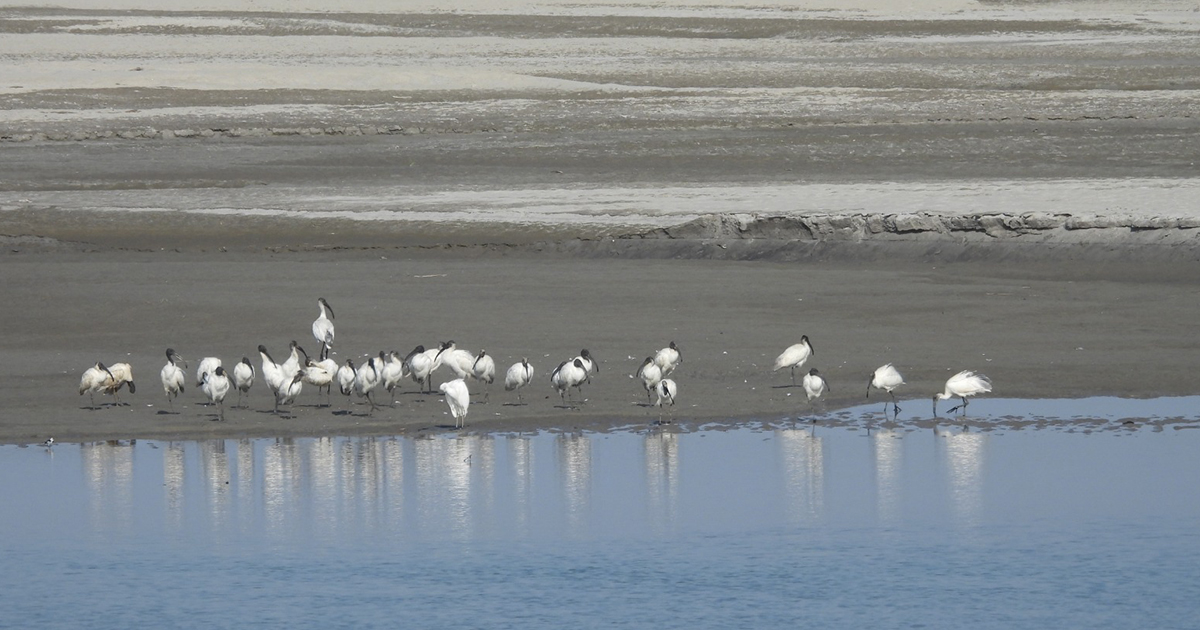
1052,329
1002,187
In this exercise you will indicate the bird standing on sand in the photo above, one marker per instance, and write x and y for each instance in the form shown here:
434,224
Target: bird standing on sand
207,365
887,378
346,375
367,379
216,386
668,359
484,371
651,376
121,373
172,377
243,377
965,383
272,373
392,371
794,357
322,327
589,363
568,374
458,398
95,379
814,384
667,390
519,375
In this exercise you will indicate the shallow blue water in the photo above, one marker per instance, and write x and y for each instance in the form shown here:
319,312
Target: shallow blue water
824,528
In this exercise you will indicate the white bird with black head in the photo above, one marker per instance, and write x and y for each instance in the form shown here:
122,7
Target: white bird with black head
322,327
795,356
568,374
172,377
814,384
216,386
243,377
668,359
651,375
519,375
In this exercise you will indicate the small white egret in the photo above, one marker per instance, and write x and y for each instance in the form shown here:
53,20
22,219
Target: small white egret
668,359
519,375
322,327
458,397
483,369
651,375
814,384
243,377
207,365
95,379
887,378
667,390
216,386
172,376
794,357
965,383
568,374
367,379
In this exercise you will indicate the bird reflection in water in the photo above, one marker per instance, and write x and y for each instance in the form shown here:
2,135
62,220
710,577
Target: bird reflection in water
804,474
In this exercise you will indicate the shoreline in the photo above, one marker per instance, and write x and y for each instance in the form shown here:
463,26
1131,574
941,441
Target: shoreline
1047,328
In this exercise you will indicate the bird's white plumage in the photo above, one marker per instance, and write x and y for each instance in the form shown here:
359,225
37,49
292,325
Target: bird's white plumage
391,373
814,384
668,358
458,360
243,377
458,398
667,391
963,385
795,355
518,375
589,364
294,363
172,376
484,368
422,363
651,375
289,390
345,378
206,367
271,371
216,386
95,380
886,378
367,379
568,374
322,327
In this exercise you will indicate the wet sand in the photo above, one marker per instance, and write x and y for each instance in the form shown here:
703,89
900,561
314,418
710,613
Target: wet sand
1008,188
1055,329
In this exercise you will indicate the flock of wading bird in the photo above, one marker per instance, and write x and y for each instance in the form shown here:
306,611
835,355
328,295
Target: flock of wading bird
388,369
